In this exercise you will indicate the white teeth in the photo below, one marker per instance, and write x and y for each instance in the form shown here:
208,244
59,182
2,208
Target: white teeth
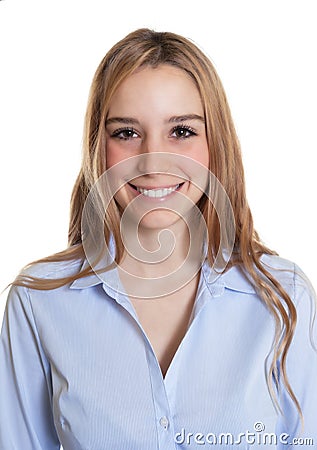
157,193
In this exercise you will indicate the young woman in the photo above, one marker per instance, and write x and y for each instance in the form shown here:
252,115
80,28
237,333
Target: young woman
166,324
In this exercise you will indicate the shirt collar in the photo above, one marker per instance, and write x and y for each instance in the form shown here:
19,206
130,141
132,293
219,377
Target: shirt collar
234,279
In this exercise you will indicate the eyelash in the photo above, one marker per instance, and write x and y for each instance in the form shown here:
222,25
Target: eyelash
187,128
184,127
116,133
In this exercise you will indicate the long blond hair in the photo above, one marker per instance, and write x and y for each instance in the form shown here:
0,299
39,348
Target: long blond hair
145,47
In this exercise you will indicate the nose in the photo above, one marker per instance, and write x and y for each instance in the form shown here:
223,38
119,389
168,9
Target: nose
154,156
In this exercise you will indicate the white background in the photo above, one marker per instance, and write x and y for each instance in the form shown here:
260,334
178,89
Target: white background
265,53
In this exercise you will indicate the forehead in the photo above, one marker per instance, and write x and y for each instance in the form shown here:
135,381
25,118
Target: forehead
161,89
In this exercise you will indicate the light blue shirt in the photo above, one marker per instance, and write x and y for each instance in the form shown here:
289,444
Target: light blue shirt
77,369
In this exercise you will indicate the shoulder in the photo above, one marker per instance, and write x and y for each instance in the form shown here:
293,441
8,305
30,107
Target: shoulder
38,283
282,270
287,273
52,270
41,276
237,277
277,265
295,282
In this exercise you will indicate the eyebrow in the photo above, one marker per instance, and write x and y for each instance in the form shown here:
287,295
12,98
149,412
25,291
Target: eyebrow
173,119
186,117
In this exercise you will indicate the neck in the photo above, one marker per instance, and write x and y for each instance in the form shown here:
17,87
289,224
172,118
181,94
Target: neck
156,252
158,261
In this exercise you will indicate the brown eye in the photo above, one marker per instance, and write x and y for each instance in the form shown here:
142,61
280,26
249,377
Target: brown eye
183,132
124,133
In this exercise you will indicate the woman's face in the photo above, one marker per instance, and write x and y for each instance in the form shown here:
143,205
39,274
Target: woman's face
157,110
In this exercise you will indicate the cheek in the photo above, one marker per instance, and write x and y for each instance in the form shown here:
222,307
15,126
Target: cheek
201,154
114,154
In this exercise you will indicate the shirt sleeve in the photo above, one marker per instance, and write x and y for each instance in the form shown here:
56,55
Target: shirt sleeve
26,419
302,371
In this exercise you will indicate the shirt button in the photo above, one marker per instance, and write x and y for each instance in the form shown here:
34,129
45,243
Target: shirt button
64,423
164,422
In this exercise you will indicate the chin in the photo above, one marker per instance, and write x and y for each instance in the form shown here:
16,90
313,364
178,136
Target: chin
159,220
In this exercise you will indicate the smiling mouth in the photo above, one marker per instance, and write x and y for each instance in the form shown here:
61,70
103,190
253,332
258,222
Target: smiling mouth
157,192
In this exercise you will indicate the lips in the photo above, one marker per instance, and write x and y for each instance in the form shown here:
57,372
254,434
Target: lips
157,192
